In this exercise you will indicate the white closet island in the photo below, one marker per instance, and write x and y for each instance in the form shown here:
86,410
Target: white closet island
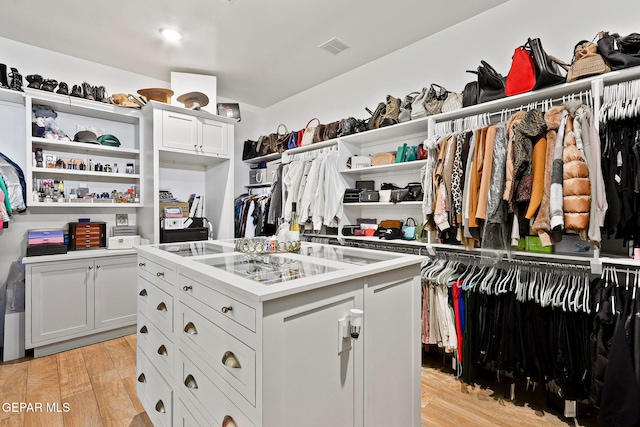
228,339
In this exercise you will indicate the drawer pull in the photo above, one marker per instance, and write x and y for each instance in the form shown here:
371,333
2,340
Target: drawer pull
144,330
161,307
190,382
230,361
141,264
187,288
228,421
160,274
97,266
142,378
160,407
90,268
225,310
191,329
162,351
143,293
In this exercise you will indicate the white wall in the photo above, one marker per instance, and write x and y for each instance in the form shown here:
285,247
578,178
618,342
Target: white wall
444,57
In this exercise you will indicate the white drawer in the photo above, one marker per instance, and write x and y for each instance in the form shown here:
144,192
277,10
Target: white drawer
155,304
153,271
219,348
229,308
154,393
156,345
208,398
187,415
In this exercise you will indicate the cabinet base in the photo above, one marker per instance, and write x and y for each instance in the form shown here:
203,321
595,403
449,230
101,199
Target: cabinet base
46,350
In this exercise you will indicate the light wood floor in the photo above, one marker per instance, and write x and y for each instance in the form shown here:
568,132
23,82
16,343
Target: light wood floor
98,383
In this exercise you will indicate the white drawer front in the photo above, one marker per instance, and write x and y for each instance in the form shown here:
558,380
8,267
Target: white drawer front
155,304
153,271
228,307
219,350
199,388
154,393
156,345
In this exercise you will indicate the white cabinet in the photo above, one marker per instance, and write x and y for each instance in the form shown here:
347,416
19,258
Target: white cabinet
194,134
72,167
273,354
74,302
188,152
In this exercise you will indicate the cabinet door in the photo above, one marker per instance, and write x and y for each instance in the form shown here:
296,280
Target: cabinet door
180,131
115,291
307,381
213,137
61,300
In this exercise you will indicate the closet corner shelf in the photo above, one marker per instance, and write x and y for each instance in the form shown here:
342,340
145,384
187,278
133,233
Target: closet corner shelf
267,158
416,164
176,156
84,148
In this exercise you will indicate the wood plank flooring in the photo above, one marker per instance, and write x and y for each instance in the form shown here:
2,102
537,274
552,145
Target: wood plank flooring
98,384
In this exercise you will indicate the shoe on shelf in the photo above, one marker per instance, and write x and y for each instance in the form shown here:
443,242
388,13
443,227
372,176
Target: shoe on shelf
35,81
4,81
49,85
76,91
376,116
16,80
87,91
63,89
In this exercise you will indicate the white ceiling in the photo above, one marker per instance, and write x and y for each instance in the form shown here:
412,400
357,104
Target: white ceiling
262,51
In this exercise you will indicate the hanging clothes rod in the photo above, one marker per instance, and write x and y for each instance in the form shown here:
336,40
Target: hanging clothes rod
309,154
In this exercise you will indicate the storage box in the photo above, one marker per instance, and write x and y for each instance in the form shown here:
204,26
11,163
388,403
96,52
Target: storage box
534,245
258,176
366,185
272,170
358,162
384,196
183,205
39,237
123,242
369,196
87,235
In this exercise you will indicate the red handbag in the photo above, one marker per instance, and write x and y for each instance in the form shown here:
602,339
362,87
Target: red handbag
423,153
522,75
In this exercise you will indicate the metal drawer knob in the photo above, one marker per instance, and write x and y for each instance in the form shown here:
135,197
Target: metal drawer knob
228,421
142,378
160,274
230,360
141,264
90,268
160,407
97,266
190,382
143,293
225,310
162,351
187,288
161,307
144,330
191,329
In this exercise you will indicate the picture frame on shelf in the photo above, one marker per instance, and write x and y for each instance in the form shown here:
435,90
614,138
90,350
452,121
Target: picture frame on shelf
122,219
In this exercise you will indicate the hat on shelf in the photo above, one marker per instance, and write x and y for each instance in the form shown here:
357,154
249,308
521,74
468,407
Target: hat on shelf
157,94
43,111
122,100
194,100
86,136
109,140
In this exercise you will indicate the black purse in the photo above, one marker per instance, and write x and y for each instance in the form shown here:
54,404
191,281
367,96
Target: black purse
249,150
628,52
470,94
491,84
548,72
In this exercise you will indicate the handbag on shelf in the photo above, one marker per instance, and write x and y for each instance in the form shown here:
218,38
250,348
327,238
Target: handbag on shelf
264,145
470,94
331,131
423,153
281,140
400,195
293,140
452,103
522,74
415,191
380,159
347,126
376,116
627,53
490,83
409,230
586,62
401,154
319,133
435,99
309,131
417,105
405,107
548,68
369,196
390,233
249,149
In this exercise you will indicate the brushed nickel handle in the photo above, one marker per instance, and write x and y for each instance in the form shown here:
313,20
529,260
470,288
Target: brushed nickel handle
141,264
228,421
161,307
191,382
143,293
225,310
195,146
90,268
190,328
160,274
160,407
144,330
97,266
230,360
187,288
162,351
142,378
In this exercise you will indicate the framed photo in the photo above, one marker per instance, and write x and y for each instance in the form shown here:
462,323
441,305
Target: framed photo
230,110
122,219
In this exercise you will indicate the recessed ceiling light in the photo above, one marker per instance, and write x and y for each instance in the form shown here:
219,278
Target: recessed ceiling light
170,34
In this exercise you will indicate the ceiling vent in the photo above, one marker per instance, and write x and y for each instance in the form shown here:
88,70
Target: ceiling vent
335,46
